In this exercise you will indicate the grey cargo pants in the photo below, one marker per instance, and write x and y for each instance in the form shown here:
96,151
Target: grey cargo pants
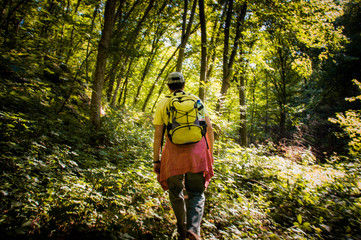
188,211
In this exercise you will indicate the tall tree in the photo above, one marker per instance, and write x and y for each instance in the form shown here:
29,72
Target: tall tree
115,95
228,59
243,141
155,47
186,32
129,45
215,40
203,79
97,89
157,79
88,47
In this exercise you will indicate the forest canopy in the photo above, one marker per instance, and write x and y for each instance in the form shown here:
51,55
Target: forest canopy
80,80
290,64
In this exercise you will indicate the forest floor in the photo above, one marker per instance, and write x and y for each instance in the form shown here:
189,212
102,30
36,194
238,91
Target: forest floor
61,180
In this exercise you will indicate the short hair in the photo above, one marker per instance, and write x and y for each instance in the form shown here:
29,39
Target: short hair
176,86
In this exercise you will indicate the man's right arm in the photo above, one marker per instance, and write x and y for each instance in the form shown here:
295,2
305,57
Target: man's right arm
210,133
158,135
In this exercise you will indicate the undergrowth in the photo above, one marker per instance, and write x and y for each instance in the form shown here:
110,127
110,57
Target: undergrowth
61,180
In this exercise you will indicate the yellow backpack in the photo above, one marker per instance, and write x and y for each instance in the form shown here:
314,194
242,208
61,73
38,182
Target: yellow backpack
184,124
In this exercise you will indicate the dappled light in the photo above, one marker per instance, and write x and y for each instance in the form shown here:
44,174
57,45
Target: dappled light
60,191
80,82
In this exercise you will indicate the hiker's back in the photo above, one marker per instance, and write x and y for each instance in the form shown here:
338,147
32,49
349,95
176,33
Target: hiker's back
184,125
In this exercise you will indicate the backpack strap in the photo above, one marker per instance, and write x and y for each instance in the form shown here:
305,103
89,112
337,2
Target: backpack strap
206,141
161,145
168,125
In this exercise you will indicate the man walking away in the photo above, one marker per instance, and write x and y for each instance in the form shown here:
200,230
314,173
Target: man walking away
186,161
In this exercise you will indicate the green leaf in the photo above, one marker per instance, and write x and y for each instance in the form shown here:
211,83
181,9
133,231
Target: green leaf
307,226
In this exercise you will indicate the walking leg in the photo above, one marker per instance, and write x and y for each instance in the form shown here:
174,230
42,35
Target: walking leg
194,183
176,197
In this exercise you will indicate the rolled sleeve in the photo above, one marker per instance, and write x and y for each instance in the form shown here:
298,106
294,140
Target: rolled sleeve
160,115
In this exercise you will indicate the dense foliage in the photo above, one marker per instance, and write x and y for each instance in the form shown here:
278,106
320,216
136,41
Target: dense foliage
272,67
274,73
60,180
350,121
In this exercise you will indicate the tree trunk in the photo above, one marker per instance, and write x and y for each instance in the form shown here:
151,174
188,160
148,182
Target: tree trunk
161,89
186,32
203,79
115,94
243,112
283,61
101,63
228,60
89,40
153,53
226,69
140,23
156,81
252,123
71,40
267,106
130,43
212,49
109,81
124,92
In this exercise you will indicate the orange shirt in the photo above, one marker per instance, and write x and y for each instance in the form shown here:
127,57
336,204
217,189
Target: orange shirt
180,159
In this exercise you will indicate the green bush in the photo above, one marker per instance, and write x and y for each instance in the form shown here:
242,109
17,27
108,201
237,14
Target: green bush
350,121
62,180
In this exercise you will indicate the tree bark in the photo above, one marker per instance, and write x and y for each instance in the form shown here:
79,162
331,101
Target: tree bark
186,32
281,88
89,40
101,63
203,79
114,98
267,107
134,35
156,81
212,49
242,112
109,81
125,85
226,70
153,53
228,60
254,110
161,89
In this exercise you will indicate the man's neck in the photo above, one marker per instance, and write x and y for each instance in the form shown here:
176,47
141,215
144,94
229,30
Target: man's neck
178,90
